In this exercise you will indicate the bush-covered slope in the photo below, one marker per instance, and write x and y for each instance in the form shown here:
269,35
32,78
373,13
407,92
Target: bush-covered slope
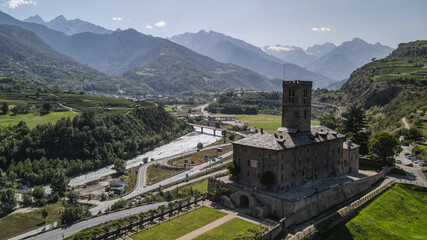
398,83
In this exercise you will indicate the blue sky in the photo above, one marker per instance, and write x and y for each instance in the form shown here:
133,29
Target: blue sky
259,22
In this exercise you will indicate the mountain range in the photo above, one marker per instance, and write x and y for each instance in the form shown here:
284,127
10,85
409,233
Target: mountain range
143,58
226,49
69,27
336,62
24,55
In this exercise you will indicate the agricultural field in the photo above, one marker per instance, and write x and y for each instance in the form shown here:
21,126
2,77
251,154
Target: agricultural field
266,121
227,231
180,226
62,105
399,213
33,119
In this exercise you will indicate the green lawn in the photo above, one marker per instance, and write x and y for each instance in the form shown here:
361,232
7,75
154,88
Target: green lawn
423,129
266,121
33,119
18,223
399,213
168,108
227,231
157,173
201,186
181,225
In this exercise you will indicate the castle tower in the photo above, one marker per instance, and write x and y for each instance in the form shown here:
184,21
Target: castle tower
296,105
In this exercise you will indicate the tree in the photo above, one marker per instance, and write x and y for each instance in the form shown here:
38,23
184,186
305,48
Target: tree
7,201
356,119
217,125
44,214
171,205
199,145
161,208
12,177
103,197
72,197
5,108
38,193
46,107
73,213
354,126
383,147
119,165
233,169
27,198
59,183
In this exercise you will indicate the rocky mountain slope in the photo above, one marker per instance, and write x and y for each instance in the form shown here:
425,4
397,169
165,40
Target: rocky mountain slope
128,51
397,83
341,61
23,55
226,49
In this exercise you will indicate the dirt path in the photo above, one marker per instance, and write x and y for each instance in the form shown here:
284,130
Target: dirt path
405,122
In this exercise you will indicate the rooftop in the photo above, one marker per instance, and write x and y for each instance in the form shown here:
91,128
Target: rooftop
289,139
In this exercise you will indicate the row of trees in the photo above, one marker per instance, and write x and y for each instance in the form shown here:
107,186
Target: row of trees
85,143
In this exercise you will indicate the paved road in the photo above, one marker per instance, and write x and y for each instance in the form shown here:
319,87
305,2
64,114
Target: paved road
59,232
413,173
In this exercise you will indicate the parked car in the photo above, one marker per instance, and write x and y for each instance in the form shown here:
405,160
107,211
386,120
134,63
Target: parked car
398,161
423,164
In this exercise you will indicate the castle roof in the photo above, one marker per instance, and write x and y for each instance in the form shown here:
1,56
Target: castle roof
286,140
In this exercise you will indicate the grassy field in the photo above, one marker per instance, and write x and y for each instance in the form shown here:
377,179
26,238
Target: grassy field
171,108
198,157
18,223
156,173
201,186
400,213
227,231
180,226
265,121
423,129
33,119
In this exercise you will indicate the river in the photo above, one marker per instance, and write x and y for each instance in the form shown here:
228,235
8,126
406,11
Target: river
183,144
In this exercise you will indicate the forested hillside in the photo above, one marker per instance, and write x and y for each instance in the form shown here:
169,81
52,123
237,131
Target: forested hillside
87,142
397,83
23,55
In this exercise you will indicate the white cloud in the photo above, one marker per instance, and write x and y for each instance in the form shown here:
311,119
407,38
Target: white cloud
17,3
160,24
149,26
322,29
117,18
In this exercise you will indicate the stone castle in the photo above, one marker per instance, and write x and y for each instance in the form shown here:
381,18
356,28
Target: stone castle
300,170
298,153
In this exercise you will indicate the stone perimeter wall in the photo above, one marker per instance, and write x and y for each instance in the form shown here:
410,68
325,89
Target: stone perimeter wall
294,212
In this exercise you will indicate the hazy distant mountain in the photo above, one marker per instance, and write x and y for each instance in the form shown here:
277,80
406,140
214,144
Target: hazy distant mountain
144,59
290,54
226,49
319,50
23,55
69,27
341,61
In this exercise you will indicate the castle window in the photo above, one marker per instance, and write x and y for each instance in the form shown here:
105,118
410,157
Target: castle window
282,155
248,163
292,174
247,173
259,175
308,160
308,149
300,162
338,150
333,152
293,153
239,161
269,155
305,114
305,93
282,167
281,177
300,151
